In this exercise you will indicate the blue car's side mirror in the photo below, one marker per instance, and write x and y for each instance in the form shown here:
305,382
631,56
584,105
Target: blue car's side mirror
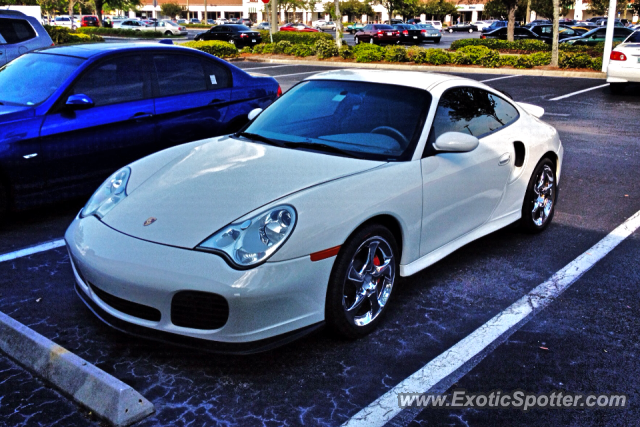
79,102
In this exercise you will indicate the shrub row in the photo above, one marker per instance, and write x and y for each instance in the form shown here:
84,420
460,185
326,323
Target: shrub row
528,46
64,35
120,32
214,47
295,37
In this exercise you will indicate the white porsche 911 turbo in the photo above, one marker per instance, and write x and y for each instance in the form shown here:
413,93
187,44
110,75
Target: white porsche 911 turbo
310,215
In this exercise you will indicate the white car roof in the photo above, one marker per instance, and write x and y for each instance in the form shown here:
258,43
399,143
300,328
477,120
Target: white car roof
418,80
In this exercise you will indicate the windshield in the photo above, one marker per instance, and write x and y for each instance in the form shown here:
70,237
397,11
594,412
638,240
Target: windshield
369,120
41,73
633,38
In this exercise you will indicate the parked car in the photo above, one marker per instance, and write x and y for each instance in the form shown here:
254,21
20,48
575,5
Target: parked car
519,33
355,27
263,26
207,245
221,21
132,24
89,21
394,21
328,25
481,25
494,26
434,24
20,34
624,64
377,34
298,27
466,27
316,24
236,34
194,21
170,28
245,21
539,22
414,21
545,32
93,108
66,21
616,23
429,33
408,33
597,35
181,22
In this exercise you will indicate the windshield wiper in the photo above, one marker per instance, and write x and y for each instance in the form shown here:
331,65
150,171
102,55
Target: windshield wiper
322,147
260,138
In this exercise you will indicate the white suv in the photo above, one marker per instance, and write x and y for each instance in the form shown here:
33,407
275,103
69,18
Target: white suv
435,24
20,34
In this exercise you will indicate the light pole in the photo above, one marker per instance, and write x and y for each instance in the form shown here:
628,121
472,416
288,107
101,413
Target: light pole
608,41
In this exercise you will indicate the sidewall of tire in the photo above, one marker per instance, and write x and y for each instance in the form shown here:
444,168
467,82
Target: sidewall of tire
334,311
527,219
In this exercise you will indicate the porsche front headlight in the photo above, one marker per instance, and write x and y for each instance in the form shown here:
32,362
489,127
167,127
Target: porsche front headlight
253,241
108,195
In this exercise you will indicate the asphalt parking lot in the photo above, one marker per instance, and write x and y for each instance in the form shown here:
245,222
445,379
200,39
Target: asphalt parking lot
585,341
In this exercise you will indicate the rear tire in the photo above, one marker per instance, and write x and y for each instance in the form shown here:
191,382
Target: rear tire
617,88
167,33
361,282
540,199
450,30
356,41
371,41
436,41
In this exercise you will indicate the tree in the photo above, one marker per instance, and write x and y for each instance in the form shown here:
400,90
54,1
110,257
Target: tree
170,9
601,7
439,9
338,24
544,8
123,5
391,6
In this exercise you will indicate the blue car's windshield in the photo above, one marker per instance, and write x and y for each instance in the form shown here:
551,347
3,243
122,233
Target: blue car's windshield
32,78
368,120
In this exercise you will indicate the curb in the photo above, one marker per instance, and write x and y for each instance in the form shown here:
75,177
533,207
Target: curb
87,385
442,69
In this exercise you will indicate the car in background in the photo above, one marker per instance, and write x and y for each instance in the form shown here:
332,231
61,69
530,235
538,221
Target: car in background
316,24
616,23
414,21
464,27
169,28
494,26
409,34
194,21
568,22
19,34
355,27
327,25
133,25
538,22
545,32
434,24
313,213
377,34
586,24
624,64
519,33
298,27
92,108
429,33
480,25
394,21
221,21
181,22
263,26
236,34
66,21
89,21
598,35
245,21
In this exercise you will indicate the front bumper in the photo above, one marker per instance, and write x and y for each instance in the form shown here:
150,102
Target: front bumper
272,300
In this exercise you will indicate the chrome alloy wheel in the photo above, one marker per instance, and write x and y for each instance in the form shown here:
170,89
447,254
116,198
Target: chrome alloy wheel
369,281
544,190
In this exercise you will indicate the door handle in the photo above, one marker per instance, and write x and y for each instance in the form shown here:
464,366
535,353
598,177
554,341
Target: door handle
504,159
138,116
216,101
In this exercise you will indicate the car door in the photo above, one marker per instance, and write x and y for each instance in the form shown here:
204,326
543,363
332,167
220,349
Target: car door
192,97
82,147
461,190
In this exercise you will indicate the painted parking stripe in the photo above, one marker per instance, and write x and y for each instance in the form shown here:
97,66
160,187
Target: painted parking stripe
297,74
579,92
270,66
460,356
498,78
42,247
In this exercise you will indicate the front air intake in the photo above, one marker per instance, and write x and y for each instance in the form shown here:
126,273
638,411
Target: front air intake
199,310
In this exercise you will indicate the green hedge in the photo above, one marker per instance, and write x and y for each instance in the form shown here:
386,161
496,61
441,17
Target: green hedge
122,33
64,35
528,46
295,37
366,52
214,47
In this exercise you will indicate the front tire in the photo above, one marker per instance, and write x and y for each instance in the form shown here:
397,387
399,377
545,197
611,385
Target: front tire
356,41
361,282
540,199
371,41
168,33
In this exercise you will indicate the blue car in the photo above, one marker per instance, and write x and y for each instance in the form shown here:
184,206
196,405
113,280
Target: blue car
71,116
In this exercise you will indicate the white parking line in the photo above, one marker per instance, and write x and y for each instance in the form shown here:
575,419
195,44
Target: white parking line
32,250
498,78
297,74
556,114
579,92
508,321
270,66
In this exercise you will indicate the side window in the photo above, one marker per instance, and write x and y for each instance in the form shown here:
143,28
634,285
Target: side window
178,74
217,75
620,32
471,110
114,81
16,30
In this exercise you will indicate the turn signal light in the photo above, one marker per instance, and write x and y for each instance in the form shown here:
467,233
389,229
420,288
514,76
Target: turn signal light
279,91
618,56
405,32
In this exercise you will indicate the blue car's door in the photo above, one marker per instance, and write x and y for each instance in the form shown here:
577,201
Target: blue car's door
82,147
192,97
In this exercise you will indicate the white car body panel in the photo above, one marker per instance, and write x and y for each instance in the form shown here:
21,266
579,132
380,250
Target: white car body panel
438,203
625,71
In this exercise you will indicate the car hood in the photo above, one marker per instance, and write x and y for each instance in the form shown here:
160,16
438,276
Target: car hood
10,113
215,183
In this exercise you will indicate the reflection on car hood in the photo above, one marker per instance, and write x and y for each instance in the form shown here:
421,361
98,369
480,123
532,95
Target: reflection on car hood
10,113
216,183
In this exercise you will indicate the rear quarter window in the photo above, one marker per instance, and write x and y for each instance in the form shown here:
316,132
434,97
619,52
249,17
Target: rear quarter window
16,30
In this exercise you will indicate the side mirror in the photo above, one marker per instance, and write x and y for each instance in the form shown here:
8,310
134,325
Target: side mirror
79,102
254,113
457,142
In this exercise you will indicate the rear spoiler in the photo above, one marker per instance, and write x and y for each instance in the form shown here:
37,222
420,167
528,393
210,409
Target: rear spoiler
534,110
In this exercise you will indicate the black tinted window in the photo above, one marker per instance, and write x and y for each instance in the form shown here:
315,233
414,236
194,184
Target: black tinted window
114,81
471,110
179,74
237,28
15,30
634,38
621,32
